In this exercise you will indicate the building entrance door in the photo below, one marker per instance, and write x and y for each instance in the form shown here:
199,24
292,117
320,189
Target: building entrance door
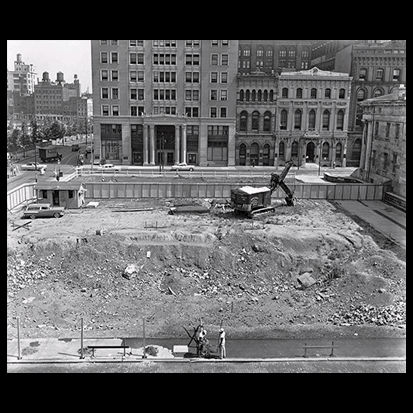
55,198
310,152
165,143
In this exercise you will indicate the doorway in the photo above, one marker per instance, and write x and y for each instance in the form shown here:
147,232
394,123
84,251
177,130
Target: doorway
310,153
165,144
55,198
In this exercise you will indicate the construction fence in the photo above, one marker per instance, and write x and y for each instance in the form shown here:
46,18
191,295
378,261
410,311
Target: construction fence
25,193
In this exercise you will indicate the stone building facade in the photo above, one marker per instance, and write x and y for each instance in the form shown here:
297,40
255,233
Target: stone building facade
312,115
383,157
160,102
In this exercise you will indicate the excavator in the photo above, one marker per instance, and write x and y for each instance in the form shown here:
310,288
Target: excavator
252,201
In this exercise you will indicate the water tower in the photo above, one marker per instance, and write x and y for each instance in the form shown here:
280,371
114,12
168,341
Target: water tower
59,78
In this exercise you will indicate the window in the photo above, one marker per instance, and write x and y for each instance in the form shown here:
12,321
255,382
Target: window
281,150
214,77
132,58
376,128
326,120
339,148
71,193
115,75
223,112
243,121
213,95
114,57
313,93
325,151
105,93
361,95
342,94
363,74
397,132
260,51
396,75
267,121
213,112
284,119
378,92
140,59
255,121
311,119
224,94
133,111
132,75
103,57
115,93
327,93
394,162
115,110
340,120
105,110
294,149
387,129
297,119
214,59
285,92
214,42
379,74
224,60
299,93
224,77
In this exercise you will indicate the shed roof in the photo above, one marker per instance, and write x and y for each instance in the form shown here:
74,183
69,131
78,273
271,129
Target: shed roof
63,186
251,190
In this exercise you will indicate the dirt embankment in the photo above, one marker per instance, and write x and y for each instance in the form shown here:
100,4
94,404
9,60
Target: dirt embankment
216,267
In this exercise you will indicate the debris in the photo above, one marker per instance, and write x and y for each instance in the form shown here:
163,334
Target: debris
306,280
171,291
129,271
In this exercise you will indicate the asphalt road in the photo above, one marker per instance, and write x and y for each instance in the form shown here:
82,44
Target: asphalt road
216,367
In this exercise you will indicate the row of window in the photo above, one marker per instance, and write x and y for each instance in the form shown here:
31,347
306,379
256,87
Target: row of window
312,114
214,112
313,93
191,59
165,43
387,129
268,51
379,74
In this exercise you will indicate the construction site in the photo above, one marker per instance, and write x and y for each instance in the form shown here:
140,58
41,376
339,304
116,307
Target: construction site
302,268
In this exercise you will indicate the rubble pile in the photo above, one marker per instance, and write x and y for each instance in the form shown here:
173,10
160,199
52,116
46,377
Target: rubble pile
370,314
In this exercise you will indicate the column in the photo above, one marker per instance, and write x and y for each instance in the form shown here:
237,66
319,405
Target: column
152,144
126,144
183,151
177,138
345,154
145,145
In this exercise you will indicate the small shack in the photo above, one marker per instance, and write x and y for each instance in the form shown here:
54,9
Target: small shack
65,194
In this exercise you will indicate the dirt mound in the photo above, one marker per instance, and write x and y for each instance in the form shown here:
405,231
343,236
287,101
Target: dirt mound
215,267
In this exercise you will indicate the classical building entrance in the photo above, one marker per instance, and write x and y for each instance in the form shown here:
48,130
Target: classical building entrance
310,153
165,144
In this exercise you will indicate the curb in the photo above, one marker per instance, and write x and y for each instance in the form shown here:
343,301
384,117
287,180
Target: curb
227,360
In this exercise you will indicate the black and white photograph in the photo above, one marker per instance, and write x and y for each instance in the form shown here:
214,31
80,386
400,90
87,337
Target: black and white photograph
219,206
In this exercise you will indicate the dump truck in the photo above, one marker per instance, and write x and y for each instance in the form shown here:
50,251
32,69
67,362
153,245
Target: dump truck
49,153
251,201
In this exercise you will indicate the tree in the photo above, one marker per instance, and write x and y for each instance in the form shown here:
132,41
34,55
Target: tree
13,141
57,130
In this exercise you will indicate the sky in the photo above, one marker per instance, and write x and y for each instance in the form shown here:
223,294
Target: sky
68,56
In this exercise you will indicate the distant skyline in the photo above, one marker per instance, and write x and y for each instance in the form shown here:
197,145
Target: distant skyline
67,56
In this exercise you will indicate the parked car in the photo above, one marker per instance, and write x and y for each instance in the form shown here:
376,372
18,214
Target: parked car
33,166
75,147
43,211
182,167
108,167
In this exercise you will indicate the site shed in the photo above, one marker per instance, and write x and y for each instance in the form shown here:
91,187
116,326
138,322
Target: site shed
69,195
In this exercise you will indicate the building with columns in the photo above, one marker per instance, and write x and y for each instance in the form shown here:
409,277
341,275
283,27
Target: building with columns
160,102
383,156
311,117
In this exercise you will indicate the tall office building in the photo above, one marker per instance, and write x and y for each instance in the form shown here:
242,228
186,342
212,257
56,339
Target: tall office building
160,102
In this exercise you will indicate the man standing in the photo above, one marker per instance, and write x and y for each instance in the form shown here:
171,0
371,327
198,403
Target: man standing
221,344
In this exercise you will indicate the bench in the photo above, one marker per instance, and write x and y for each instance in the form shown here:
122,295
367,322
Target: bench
305,347
93,348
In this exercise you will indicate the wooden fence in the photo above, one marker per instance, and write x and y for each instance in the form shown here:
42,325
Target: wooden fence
118,190
114,190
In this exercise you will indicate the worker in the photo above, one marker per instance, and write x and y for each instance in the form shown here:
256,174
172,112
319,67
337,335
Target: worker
221,344
202,342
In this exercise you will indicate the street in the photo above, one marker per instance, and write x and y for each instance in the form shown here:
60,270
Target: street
217,367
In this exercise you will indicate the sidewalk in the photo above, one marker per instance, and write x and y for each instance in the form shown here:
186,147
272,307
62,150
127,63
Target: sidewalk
385,218
53,350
